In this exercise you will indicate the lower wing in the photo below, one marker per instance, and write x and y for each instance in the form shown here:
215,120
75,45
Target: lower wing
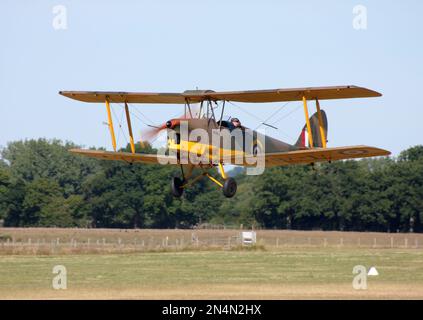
271,159
322,155
126,156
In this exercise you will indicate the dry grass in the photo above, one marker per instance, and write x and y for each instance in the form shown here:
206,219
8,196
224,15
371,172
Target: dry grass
292,273
233,291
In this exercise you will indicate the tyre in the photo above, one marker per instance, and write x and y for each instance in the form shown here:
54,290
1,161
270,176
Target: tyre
176,187
229,188
257,150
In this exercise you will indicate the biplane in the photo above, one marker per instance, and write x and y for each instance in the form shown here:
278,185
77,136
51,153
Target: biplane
275,152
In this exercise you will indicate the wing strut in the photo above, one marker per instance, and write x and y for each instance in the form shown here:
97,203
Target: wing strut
128,121
322,131
221,115
310,136
109,116
189,107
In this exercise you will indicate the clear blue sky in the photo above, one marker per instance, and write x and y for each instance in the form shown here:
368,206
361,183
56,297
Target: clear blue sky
172,46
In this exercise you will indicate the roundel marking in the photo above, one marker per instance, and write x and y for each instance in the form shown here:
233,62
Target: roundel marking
353,152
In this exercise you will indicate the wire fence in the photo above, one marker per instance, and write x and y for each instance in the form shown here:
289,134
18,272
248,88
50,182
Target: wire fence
172,243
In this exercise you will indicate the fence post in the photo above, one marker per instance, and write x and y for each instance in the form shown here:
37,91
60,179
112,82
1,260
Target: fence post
374,243
392,242
341,243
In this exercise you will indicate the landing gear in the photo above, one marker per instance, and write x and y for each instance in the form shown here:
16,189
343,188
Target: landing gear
257,150
177,187
229,188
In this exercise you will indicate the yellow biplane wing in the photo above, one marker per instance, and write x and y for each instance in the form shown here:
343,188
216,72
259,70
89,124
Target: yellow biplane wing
125,156
251,96
272,159
320,155
282,95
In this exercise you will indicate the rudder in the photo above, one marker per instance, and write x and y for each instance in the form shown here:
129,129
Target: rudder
315,131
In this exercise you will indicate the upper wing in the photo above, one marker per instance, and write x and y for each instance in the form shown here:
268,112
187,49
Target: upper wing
125,156
129,97
254,96
279,95
320,155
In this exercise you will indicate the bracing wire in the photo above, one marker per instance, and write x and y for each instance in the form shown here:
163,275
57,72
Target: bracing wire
120,126
264,121
272,115
288,114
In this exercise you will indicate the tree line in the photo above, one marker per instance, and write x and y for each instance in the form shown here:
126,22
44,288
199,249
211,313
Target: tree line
42,184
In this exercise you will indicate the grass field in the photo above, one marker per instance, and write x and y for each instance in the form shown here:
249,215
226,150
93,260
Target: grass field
284,272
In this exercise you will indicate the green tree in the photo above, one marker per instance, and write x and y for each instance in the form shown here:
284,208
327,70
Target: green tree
50,159
39,194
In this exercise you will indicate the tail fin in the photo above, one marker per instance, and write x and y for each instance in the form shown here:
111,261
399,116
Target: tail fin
315,131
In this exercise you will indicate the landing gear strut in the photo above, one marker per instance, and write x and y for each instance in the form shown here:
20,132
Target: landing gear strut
178,185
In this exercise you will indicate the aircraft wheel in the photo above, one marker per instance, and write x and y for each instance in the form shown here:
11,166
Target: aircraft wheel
229,188
177,189
257,150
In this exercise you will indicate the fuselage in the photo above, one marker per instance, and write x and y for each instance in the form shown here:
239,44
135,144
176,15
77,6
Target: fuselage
207,135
